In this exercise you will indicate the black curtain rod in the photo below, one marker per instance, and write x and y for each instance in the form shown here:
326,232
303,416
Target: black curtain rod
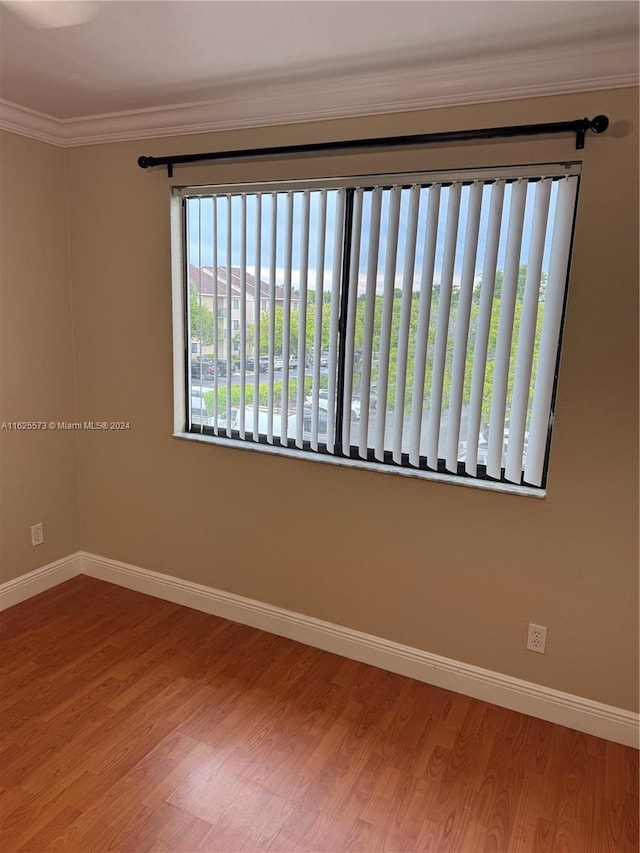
579,126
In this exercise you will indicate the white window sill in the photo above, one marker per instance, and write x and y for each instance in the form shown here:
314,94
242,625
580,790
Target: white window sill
310,456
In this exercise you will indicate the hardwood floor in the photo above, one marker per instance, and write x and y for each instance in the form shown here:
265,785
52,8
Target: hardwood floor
133,724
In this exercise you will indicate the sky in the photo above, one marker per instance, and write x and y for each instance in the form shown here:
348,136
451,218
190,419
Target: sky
200,233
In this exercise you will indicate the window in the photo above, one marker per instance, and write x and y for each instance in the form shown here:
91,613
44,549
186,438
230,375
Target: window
413,321
235,303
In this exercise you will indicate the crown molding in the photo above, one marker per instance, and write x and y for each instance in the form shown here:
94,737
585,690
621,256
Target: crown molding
31,124
553,71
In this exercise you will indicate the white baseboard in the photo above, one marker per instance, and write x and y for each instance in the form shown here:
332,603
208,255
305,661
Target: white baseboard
39,580
555,706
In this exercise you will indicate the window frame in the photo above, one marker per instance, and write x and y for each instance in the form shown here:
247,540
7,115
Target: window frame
182,426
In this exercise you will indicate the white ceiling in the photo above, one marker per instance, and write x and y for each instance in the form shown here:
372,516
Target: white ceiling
136,56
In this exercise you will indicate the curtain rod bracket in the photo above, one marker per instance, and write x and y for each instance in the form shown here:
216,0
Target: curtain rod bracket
598,125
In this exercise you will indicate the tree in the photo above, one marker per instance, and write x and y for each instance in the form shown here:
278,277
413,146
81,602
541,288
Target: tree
408,403
294,325
201,318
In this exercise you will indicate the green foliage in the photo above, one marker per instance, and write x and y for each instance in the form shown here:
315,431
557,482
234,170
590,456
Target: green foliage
263,391
294,325
201,318
376,344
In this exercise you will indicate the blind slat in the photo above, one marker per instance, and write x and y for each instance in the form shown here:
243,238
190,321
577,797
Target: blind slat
257,294
550,335
317,331
505,329
442,327
216,322
273,247
243,312
405,321
526,338
387,317
200,407
424,316
349,334
336,276
228,316
462,325
302,319
487,290
286,320
367,333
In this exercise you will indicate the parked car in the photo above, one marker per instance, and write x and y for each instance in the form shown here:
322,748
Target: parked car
199,409
323,403
323,399
262,423
250,364
263,420
263,363
202,368
373,396
277,362
483,452
308,420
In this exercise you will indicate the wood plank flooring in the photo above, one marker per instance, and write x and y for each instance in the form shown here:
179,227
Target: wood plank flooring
132,724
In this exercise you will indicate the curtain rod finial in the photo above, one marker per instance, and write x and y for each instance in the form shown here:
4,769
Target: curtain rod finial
599,124
145,162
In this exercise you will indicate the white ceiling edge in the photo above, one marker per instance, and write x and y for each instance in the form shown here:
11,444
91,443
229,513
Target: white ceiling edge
550,72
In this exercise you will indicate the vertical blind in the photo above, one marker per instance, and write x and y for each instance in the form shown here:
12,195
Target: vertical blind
408,320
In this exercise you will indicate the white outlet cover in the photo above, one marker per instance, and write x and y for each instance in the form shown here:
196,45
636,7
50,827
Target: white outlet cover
37,534
537,638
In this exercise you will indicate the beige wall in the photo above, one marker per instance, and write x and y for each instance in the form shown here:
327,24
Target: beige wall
456,571
38,469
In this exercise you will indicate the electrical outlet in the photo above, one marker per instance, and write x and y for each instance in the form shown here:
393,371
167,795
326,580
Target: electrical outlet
37,533
537,638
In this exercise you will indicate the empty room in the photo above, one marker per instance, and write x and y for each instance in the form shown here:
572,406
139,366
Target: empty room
318,330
